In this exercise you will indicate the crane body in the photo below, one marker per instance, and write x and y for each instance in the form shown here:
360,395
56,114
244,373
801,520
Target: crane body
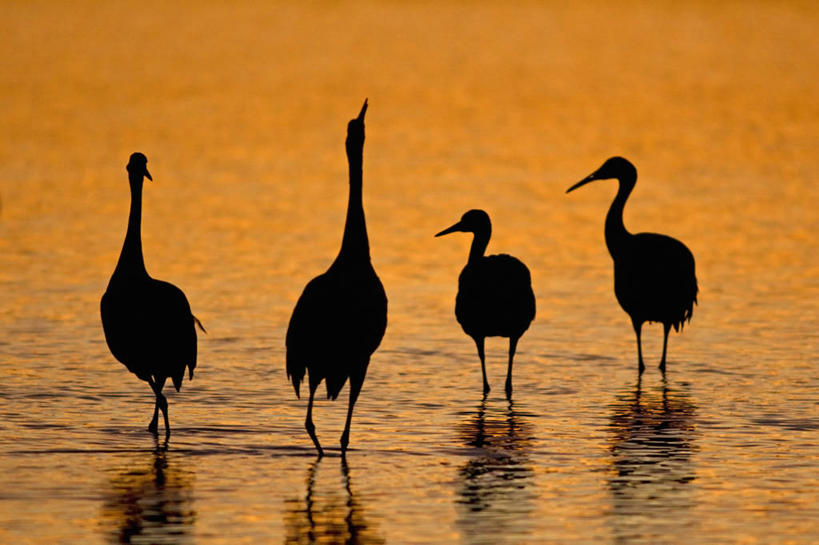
148,323
495,297
341,316
654,275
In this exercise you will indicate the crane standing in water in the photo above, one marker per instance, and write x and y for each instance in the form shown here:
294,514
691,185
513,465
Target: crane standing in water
495,297
341,316
654,278
148,323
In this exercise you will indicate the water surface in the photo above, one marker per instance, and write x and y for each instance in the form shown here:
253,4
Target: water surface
241,110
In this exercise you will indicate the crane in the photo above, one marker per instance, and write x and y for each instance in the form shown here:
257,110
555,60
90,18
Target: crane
654,278
148,323
495,297
341,316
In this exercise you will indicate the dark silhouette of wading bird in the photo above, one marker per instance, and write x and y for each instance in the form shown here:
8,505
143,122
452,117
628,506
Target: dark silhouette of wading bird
148,323
654,278
341,316
495,297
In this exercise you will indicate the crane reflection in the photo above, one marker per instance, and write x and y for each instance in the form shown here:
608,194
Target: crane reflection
652,446
495,486
151,503
324,516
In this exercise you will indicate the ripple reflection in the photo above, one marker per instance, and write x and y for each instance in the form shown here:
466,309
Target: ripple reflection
150,504
495,492
324,516
651,453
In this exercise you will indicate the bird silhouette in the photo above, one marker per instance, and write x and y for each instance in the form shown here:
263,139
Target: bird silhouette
341,316
654,278
495,297
148,323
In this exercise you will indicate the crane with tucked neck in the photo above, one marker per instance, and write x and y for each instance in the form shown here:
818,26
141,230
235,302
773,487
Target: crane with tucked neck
341,316
148,323
495,297
654,277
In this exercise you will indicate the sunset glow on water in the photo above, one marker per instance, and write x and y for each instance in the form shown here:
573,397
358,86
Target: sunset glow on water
241,109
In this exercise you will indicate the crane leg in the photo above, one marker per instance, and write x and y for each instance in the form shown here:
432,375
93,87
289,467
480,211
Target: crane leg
308,421
513,344
666,329
637,330
161,404
479,342
356,381
153,427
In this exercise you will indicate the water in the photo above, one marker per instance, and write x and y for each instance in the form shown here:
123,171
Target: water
241,110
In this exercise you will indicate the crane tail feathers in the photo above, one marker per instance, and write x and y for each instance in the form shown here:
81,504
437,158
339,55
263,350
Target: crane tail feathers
198,323
334,385
296,384
295,372
686,317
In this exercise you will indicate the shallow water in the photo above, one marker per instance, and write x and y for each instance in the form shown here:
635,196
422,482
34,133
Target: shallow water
241,111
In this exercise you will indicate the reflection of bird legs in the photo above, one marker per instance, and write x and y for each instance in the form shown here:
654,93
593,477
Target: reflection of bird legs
345,471
480,425
308,499
160,463
353,526
315,533
511,419
160,448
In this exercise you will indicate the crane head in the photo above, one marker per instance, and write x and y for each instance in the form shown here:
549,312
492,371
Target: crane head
473,221
355,129
138,166
615,167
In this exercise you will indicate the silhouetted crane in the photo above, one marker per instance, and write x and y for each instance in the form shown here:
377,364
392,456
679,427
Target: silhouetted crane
148,323
654,278
495,297
341,316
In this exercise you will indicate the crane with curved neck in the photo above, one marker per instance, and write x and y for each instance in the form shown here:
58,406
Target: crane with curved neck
148,323
615,231
480,240
654,275
341,316
495,297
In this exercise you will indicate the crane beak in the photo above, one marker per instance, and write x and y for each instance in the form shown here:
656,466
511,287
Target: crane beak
362,112
148,175
454,229
590,178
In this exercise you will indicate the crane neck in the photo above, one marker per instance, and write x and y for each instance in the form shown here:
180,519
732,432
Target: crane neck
355,245
616,233
480,241
131,262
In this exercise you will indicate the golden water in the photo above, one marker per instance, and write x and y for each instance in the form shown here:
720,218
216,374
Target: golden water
241,110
